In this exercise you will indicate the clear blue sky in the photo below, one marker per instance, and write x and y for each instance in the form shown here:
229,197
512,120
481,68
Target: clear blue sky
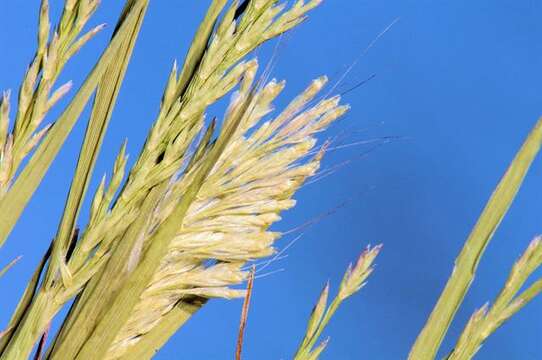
459,81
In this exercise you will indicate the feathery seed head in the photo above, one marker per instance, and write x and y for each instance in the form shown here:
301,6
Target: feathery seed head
250,180
242,197
355,276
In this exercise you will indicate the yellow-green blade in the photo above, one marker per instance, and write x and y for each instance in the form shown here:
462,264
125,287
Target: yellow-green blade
431,336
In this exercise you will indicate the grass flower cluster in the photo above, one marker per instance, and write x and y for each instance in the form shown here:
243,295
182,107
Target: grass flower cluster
185,222
179,227
353,280
37,94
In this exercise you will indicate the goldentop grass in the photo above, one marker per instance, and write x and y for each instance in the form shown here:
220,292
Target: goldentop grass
184,223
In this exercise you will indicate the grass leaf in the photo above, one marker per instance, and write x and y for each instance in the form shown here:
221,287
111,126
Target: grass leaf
431,336
104,102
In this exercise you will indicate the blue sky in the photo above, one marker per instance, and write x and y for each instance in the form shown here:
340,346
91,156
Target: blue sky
457,84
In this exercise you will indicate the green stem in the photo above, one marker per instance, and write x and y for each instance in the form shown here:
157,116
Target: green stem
432,335
24,302
304,351
32,327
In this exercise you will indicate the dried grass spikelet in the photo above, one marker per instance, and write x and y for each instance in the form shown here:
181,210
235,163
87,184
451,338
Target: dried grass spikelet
181,113
253,181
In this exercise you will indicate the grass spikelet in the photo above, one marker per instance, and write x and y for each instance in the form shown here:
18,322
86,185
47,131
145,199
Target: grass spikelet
509,301
35,98
316,315
353,280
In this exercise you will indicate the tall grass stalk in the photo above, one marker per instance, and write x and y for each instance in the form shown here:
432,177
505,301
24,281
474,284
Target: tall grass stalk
430,338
